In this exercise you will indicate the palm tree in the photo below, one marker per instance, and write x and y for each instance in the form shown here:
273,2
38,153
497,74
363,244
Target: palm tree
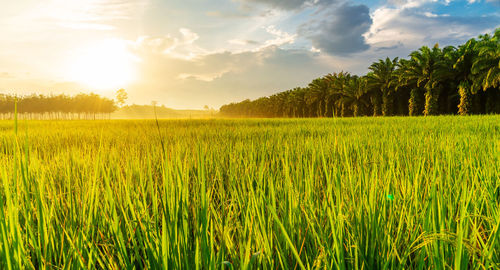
338,85
467,55
319,89
415,103
486,67
332,95
428,70
298,101
354,94
383,79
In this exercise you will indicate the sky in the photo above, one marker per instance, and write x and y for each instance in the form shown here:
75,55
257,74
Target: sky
186,54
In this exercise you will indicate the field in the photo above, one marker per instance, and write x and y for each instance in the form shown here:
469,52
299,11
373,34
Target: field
365,193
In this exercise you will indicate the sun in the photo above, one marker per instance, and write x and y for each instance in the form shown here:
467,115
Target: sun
105,65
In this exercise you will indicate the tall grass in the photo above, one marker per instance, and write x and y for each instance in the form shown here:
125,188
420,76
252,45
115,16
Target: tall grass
379,193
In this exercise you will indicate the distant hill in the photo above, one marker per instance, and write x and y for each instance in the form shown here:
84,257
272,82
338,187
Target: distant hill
148,112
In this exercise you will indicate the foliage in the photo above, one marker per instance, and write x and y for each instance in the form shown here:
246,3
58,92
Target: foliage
121,97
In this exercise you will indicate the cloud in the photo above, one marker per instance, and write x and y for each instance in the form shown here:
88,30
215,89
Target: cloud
281,37
182,46
290,4
243,42
340,30
150,49
83,15
413,28
411,3
233,14
216,78
389,48
208,77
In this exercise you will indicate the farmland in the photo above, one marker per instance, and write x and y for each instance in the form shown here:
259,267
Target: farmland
358,193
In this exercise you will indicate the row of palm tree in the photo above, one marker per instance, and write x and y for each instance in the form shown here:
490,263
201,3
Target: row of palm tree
81,106
453,80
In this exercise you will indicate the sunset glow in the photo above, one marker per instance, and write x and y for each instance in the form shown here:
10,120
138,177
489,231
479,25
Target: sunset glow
191,53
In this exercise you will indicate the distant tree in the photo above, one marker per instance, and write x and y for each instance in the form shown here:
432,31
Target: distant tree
121,97
56,106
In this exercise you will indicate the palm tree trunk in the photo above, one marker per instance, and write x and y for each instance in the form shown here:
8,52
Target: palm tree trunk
376,105
414,107
492,102
387,105
325,114
431,101
492,97
356,110
465,106
318,112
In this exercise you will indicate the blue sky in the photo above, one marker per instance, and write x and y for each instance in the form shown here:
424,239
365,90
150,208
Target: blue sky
191,53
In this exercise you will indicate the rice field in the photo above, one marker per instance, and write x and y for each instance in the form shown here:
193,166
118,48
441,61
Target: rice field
364,193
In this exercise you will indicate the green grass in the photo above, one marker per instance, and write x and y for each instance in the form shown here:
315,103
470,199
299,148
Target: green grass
367,193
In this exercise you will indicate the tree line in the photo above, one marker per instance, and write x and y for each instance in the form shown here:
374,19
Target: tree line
453,80
81,106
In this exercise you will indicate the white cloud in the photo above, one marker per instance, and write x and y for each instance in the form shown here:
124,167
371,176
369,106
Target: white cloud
430,15
315,50
182,47
291,4
413,28
242,42
411,3
281,37
208,77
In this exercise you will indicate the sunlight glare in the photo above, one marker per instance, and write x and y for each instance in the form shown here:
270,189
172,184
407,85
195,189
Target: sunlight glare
106,65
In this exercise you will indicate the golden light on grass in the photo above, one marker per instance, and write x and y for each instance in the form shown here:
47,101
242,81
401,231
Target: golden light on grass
105,65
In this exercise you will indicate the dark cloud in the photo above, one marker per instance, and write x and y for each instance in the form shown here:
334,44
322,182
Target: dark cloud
290,4
340,31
